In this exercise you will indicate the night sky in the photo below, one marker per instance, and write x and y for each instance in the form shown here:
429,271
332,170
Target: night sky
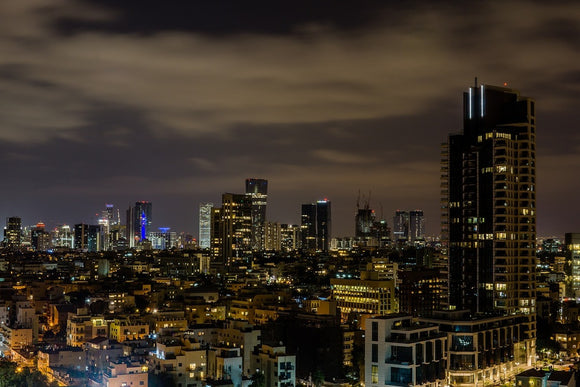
176,102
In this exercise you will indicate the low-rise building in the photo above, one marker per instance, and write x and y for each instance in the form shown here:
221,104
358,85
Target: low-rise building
400,351
278,367
121,374
128,329
184,360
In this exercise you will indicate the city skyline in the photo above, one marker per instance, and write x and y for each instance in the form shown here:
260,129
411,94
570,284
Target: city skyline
111,103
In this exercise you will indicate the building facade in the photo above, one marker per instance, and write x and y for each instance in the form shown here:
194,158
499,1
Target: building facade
257,189
205,225
489,203
400,351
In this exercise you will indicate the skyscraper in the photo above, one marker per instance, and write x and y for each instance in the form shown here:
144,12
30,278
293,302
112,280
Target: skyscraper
323,224
232,230
308,227
401,225
316,225
87,237
13,233
205,225
489,203
139,219
572,241
257,189
416,225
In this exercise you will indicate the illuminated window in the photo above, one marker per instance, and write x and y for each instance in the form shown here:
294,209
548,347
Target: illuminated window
374,374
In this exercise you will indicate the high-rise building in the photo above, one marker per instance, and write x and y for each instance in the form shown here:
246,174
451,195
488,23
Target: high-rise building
257,189
62,237
232,230
364,220
308,227
39,237
13,233
323,224
316,226
489,204
401,225
272,236
87,237
416,225
139,220
572,241
290,237
205,225
109,222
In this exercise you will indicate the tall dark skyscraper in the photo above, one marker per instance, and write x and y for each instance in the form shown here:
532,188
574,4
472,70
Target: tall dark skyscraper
401,225
13,233
489,204
87,237
257,189
139,220
416,225
364,218
323,224
316,225
308,227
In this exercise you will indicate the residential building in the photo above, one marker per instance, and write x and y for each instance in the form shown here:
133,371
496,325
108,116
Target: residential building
402,351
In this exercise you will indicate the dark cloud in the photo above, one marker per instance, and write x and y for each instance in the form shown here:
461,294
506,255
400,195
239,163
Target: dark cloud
117,101
224,17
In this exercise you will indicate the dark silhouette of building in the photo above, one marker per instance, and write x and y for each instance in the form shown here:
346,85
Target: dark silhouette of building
489,203
257,189
139,220
87,237
316,226
421,291
308,227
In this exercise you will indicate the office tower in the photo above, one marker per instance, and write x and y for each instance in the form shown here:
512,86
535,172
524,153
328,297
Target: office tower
316,226
323,224
13,233
139,220
572,241
382,232
205,225
416,225
232,230
62,237
257,189
40,238
308,227
163,239
87,237
489,199
401,225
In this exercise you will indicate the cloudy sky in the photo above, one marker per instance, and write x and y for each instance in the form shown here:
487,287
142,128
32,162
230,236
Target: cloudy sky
177,102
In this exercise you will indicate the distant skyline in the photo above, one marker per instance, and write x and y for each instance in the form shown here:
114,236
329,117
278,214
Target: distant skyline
120,101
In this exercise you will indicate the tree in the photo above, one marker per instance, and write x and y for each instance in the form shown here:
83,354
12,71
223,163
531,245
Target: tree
11,375
258,379
318,378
